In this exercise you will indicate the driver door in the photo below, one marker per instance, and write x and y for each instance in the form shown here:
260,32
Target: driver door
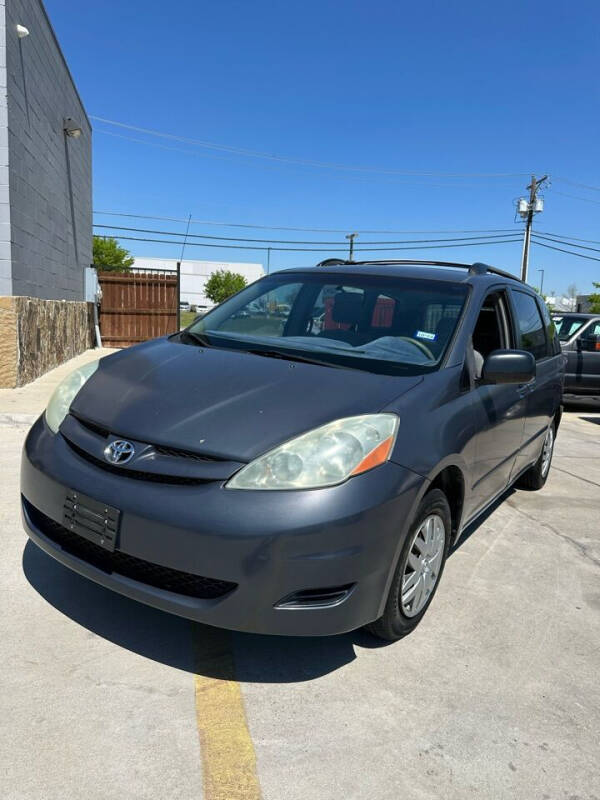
501,408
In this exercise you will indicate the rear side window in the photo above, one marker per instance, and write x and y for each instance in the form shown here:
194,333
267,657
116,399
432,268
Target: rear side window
531,334
551,330
592,330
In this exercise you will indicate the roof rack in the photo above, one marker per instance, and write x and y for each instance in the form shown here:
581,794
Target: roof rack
477,268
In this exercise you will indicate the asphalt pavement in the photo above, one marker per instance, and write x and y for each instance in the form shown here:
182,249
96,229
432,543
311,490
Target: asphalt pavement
495,695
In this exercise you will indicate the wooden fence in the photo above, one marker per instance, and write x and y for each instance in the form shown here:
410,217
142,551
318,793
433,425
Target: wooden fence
138,305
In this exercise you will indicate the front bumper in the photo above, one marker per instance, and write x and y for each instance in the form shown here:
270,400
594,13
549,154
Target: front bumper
271,544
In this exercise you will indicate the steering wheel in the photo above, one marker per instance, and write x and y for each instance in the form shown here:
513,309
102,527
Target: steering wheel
419,345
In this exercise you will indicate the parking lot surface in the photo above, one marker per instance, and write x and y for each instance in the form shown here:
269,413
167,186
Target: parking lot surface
495,695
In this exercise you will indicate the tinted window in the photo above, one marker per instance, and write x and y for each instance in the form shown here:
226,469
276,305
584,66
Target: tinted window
591,330
567,326
551,332
531,335
377,323
588,339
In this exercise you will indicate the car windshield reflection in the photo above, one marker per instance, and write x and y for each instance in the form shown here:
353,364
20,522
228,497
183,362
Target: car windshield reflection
376,323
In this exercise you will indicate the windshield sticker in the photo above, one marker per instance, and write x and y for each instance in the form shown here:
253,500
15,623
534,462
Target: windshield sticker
425,335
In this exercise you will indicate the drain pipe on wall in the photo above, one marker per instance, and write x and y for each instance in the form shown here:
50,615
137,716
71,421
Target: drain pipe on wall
96,321
93,294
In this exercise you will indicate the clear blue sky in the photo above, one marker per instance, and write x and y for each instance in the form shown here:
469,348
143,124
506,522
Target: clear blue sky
443,87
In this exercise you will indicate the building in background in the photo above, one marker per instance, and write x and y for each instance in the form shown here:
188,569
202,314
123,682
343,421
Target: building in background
194,274
583,304
562,303
45,199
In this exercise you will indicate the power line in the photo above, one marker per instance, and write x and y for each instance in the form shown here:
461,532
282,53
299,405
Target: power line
571,244
307,249
574,183
185,237
233,157
288,228
566,236
240,151
163,146
285,241
570,252
577,197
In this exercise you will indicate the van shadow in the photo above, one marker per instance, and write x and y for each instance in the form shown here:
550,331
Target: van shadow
181,643
191,646
476,524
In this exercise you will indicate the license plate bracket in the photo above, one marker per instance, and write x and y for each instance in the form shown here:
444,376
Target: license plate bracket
95,521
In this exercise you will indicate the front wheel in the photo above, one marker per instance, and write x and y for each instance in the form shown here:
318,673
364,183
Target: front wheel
419,569
536,475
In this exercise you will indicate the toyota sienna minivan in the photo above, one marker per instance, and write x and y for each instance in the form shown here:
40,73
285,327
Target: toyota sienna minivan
301,459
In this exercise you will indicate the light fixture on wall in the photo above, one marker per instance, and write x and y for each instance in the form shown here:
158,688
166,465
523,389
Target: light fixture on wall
22,31
71,128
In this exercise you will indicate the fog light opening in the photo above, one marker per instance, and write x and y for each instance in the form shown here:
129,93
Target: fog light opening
317,598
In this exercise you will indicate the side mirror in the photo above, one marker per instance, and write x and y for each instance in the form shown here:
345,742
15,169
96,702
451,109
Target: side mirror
508,366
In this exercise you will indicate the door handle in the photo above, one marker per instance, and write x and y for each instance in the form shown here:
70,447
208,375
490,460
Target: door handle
526,388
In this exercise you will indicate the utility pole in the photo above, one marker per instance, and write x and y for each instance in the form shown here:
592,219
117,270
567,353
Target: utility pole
351,237
527,210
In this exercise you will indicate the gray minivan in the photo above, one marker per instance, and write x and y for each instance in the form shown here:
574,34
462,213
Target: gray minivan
301,459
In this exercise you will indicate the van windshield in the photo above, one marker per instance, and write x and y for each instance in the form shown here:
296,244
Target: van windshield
383,324
567,326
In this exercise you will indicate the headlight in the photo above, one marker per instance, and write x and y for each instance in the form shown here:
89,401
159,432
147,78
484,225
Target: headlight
64,394
323,457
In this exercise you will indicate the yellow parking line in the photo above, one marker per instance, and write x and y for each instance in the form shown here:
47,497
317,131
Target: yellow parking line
228,758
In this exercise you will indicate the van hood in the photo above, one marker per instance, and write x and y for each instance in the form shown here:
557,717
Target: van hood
224,403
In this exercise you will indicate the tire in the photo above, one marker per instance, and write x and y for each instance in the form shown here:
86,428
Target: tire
536,475
399,618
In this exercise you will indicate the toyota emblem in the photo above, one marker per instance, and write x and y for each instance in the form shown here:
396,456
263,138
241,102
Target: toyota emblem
119,452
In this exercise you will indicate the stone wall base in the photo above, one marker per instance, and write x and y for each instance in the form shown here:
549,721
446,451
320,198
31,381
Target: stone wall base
38,335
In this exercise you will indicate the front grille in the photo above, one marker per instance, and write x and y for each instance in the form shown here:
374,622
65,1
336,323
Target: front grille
99,430
125,472
92,426
175,453
170,580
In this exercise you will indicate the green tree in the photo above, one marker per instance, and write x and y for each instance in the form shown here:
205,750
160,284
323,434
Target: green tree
222,284
109,256
595,299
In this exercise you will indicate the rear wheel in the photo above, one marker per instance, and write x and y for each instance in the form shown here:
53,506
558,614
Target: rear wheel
419,569
536,476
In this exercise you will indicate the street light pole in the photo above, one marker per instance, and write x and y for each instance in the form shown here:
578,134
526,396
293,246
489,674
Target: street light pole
542,282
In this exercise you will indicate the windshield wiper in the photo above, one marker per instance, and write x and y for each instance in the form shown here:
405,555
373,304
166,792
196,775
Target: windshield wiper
288,357
197,337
